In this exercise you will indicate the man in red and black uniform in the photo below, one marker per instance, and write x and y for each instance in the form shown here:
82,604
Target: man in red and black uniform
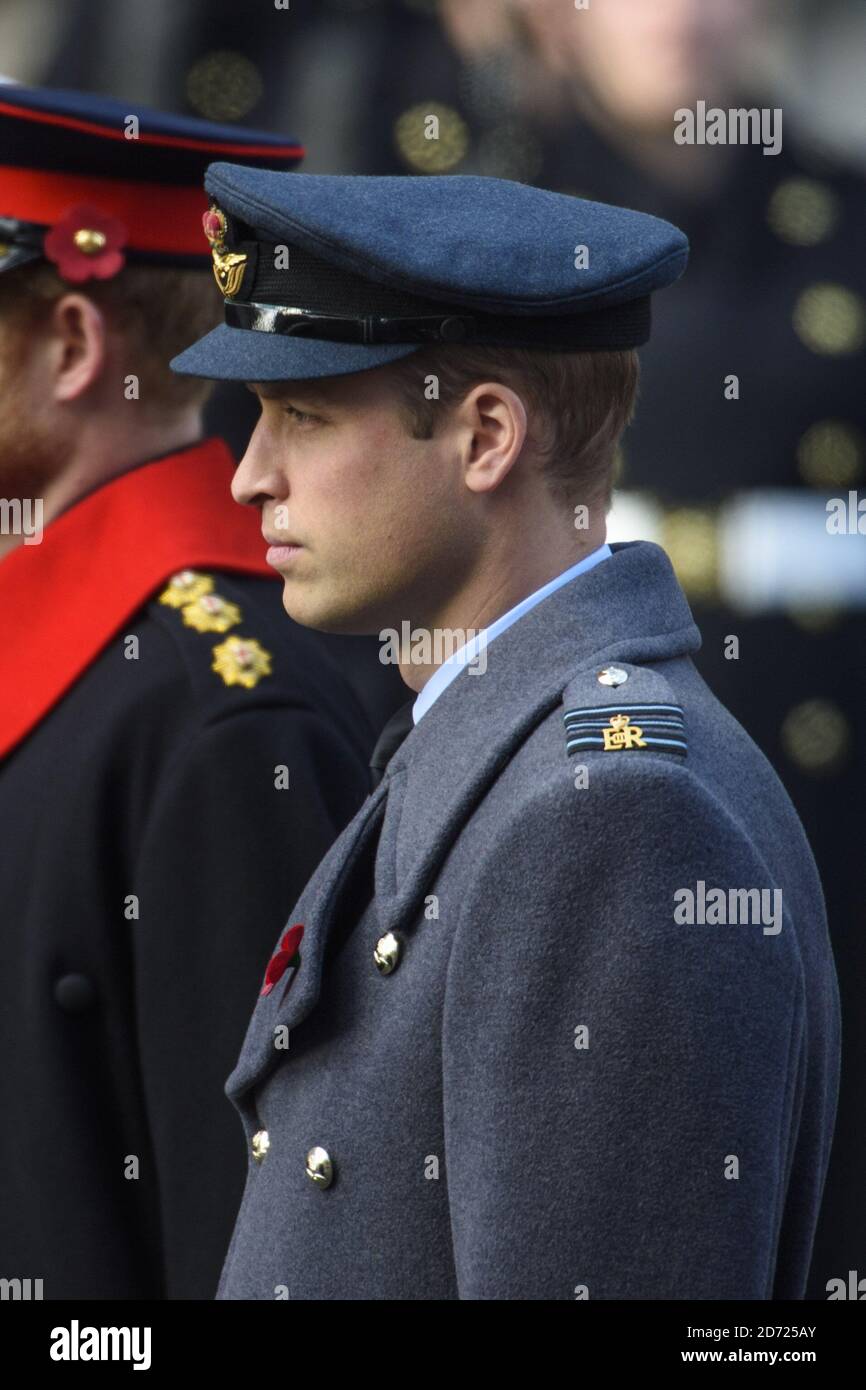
174,758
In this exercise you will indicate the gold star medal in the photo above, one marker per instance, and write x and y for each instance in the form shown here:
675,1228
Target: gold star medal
211,613
185,587
241,661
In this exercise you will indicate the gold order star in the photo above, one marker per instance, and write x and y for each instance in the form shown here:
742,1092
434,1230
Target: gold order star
185,587
211,613
241,661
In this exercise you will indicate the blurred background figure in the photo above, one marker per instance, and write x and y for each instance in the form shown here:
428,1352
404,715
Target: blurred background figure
753,413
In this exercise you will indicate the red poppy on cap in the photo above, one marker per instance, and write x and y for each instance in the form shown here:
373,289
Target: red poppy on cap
278,964
85,244
214,225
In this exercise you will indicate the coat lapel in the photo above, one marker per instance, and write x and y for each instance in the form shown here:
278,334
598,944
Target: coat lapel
297,991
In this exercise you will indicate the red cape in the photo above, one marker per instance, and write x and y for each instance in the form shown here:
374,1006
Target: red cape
63,600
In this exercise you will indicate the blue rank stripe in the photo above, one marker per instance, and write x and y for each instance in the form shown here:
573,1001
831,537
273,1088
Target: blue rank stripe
662,728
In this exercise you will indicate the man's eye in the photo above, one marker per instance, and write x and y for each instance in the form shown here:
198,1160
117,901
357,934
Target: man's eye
300,415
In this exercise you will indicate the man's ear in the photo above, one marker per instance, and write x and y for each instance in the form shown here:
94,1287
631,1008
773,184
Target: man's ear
495,423
78,346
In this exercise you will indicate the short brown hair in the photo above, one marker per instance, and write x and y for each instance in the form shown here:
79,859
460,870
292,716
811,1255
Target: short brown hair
158,311
578,403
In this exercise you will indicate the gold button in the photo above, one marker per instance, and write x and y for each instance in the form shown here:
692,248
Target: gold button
830,319
690,537
612,675
320,1169
803,211
89,241
224,85
816,736
387,953
260,1144
431,138
830,454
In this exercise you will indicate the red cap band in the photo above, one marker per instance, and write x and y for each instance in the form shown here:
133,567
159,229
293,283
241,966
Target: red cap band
160,217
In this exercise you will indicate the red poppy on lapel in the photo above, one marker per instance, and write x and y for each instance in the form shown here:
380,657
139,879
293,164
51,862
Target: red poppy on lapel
286,955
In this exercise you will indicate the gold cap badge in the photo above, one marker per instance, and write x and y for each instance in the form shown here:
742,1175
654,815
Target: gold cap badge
228,266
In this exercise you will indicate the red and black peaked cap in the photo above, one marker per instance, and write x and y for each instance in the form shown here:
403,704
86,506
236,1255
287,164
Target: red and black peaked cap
91,183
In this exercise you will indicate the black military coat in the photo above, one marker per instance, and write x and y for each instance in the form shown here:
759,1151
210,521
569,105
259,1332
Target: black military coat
176,771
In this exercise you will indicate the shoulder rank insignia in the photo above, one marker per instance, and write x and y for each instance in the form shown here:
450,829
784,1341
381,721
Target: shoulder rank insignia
185,587
241,661
210,613
616,728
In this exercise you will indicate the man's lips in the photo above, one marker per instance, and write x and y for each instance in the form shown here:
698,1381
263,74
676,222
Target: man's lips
281,552
280,540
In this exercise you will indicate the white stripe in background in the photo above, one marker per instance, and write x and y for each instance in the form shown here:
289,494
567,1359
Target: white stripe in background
774,549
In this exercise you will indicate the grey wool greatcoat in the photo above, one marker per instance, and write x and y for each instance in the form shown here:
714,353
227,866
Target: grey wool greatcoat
562,1089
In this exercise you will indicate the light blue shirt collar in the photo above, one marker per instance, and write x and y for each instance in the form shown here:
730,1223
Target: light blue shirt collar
450,669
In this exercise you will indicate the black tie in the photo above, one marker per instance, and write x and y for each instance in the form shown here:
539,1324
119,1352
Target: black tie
393,734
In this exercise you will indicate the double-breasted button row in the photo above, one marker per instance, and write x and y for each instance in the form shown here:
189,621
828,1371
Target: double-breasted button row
319,1165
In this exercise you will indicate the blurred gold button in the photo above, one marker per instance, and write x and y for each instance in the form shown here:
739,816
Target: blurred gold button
689,535
387,953
816,736
830,454
320,1169
830,319
803,211
260,1144
431,137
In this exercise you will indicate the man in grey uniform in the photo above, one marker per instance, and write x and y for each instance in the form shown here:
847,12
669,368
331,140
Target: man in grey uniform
557,1016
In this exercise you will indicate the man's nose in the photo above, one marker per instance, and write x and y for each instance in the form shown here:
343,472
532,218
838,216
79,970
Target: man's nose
258,478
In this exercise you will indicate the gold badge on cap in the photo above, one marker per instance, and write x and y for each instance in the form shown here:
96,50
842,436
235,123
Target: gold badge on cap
228,266
241,661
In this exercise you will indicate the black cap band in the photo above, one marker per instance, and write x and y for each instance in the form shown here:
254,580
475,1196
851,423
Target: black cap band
294,322
618,327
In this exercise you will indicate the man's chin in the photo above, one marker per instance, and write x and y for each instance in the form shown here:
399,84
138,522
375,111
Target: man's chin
342,619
